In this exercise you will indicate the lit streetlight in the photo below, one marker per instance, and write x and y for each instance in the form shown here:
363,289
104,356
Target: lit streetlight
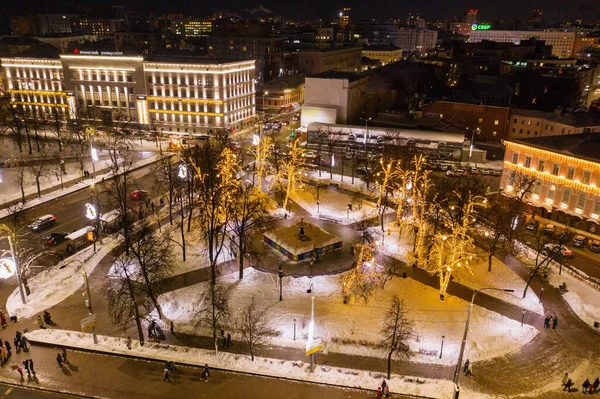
280,273
442,348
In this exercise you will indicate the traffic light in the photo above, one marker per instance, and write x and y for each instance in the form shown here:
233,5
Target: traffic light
293,134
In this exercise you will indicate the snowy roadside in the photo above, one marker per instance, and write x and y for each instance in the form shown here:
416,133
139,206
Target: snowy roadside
57,283
79,186
271,367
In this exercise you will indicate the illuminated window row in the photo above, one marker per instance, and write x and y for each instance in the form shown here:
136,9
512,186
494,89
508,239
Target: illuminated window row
186,100
164,111
38,104
39,92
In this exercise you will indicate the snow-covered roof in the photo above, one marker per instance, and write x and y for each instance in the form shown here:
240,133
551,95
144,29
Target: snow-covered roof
287,237
109,217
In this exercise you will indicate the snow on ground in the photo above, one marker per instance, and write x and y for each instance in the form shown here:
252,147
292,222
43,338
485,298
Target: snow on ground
583,299
57,283
334,205
491,334
358,186
501,275
234,362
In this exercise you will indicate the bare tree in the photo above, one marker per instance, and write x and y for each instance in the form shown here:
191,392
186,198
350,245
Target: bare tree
539,265
163,172
19,165
397,330
493,229
253,326
214,310
128,303
40,168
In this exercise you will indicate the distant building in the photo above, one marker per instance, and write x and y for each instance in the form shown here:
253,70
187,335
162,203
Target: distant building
42,24
526,123
567,173
97,26
62,42
314,61
417,41
562,42
384,54
282,94
585,44
345,16
191,27
471,16
375,33
334,97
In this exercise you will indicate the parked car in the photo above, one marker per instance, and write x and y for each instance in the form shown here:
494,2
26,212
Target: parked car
454,173
138,195
485,172
532,225
43,222
549,229
55,238
444,167
497,172
296,117
558,250
580,241
363,171
564,235
595,246
309,154
285,123
351,137
348,155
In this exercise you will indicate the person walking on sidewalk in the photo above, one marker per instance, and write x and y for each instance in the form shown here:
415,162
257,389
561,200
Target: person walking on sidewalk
469,370
24,342
3,318
64,356
20,370
59,360
205,373
229,343
595,385
129,343
16,344
554,322
26,364
586,385
166,375
31,366
40,322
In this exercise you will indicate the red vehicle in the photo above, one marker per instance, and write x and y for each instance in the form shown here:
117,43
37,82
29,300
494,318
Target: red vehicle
138,195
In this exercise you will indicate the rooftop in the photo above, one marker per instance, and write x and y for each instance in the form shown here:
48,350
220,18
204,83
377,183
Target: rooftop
584,146
350,76
329,49
381,48
575,119
285,82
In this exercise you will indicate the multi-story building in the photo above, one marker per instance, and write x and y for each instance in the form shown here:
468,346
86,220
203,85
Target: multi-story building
267,51
184,95
384,54
191,27
562,42
62,42
55,24
417,41
375,33
97,26
345,16
525,123
585,44
567,174
314,61
282,94
334,97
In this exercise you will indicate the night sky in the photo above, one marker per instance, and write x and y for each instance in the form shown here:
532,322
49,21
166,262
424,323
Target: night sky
554,10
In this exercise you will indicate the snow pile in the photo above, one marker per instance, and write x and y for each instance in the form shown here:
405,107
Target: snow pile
56,284
343,327
583,299
241,363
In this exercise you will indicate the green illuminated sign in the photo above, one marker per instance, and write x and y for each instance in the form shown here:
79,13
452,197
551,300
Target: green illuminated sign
481,27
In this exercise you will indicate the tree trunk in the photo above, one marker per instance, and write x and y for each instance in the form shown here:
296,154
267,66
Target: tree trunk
241,249
21,182
136,311
37,138
37,183
490,256
28,139
182,231
389,365
529,280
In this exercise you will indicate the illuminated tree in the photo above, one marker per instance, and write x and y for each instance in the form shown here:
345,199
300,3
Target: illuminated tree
454,249
361,280
292,171
416,187
387,176
261,154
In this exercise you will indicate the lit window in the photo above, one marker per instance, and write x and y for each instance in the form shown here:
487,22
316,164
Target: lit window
551,192
480,120
555,169
527,162
566,196
581,201
587,177
571,173
496,122
542,166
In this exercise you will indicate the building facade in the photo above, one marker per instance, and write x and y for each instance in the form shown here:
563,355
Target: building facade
191,27
282,94
526,123
562,42
384,54
566,170
314,61
418,41
176,95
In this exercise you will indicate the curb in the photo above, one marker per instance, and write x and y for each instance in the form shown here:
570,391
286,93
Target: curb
44,390
249,373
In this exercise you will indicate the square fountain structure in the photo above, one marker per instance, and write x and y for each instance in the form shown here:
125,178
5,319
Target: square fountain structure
297,247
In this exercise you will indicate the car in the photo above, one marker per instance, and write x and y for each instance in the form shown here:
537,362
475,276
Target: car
474,171
595,246
549,229
43,222
348,155
443,167
296,117
309,154
564,235
532,225
285,123
496,172
351,137
267,126
454,173
485,172
363,171
558,250
580,241
55,238
234,146
138,195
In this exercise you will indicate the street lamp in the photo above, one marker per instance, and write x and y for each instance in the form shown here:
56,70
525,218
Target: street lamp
280,273
522,317
94,158
541,294
442,348
264,94
472,140
294,329
318,207
464,340
366,128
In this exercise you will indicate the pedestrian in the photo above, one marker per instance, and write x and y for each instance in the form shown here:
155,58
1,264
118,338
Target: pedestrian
59,360
586,385
595,385
378,392
40,322
20,370
31,366
383,384
166,375
3,318
229,343
26,364
64,356
554,322
128,342
205,373
386,391
172,326
466,367
469,370
24,342
547,322
8,348
568,385
16,343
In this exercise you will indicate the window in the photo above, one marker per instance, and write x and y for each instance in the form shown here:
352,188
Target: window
581,201
587,177
542,166
571,172
551,192
527,162
537,187
515,121
566,196
496,122
495,133
480,120
515,157
555,169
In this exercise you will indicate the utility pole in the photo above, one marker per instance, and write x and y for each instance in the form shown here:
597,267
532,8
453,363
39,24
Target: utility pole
17,269
88,303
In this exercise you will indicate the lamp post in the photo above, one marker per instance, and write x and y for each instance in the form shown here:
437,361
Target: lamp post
94,153
472,140
91,212
442,347
366,129
294,329
523,317
280,273
318,207
464,339
88,303
263,96
541,294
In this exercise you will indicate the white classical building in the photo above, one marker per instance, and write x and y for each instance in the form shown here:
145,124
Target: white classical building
180,95
562,42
